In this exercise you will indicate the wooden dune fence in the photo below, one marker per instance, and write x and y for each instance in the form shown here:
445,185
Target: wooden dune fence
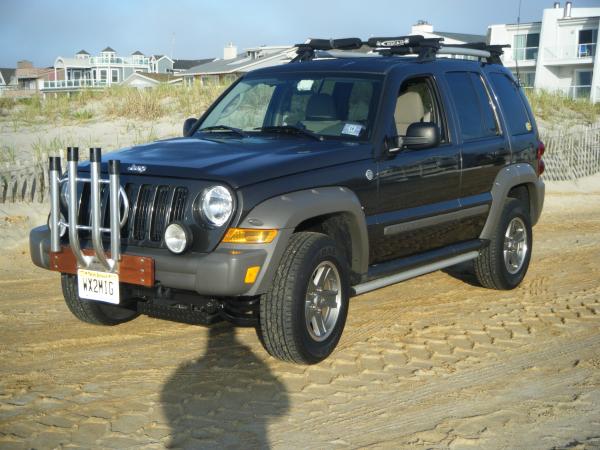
570,154
26,182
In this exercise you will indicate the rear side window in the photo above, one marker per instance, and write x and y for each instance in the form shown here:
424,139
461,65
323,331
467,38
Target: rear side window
510,99
473,105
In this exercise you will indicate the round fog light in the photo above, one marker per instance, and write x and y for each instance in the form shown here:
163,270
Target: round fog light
177,237
62,228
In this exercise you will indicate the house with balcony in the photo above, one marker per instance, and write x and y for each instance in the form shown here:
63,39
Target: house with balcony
559,53
87,71
233,65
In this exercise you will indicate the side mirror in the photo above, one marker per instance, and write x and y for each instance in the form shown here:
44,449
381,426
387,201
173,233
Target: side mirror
188,125
420,135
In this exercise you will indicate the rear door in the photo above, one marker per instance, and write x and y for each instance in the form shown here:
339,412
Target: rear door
483,146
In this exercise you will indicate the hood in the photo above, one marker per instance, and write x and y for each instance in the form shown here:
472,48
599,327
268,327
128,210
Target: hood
237,162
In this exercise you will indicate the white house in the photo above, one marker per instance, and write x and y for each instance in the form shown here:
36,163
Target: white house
425,29
557,54
143,80
105,69
233,65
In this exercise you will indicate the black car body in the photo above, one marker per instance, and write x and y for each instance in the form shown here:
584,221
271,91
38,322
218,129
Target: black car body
418,179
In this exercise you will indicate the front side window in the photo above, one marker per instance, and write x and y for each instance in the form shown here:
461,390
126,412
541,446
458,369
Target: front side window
473,105
417,103
329,106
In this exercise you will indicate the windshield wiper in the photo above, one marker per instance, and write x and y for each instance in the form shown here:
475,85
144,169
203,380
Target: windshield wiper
289,129
224,128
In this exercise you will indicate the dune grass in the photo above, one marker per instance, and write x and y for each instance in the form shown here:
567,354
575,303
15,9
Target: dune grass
113,102
554,107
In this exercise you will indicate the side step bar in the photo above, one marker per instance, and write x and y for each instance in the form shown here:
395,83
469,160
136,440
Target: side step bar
412,273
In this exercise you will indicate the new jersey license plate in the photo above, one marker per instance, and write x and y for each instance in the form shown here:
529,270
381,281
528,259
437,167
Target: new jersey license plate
102,286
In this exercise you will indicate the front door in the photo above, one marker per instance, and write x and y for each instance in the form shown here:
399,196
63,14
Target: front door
418,189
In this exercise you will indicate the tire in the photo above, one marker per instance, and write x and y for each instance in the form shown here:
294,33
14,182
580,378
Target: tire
500,267
297,323
90,311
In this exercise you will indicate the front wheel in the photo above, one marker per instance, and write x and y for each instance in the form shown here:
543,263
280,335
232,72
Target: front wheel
91,311
303,315
504,263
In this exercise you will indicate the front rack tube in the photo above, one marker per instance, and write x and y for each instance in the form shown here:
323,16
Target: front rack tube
116,196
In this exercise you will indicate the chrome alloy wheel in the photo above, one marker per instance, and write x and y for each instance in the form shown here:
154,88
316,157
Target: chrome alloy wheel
323,301
515,245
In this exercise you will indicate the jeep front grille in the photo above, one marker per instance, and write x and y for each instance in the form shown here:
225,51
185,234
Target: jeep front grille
152,208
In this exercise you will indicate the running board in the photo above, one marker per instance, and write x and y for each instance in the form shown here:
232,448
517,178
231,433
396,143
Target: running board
412,273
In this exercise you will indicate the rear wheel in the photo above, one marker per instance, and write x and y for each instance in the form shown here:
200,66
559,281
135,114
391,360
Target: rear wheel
303,314
90,311
504,263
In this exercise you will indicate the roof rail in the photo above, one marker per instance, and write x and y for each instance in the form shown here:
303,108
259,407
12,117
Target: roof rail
426,49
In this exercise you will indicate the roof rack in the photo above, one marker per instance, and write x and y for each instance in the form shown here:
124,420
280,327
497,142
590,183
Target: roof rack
426,49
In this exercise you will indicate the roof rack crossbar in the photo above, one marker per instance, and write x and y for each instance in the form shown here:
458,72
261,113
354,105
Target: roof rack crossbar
426,49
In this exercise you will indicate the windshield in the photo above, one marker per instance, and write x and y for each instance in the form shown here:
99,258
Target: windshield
328,106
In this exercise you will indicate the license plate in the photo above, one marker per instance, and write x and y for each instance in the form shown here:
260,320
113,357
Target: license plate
100,286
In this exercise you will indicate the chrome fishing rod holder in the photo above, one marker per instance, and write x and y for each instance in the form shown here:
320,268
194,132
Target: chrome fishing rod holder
116,196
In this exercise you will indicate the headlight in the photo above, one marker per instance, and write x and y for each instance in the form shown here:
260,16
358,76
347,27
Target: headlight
64,194
217,205
177,237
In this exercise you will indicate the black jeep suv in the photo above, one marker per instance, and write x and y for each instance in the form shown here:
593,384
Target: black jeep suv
303,185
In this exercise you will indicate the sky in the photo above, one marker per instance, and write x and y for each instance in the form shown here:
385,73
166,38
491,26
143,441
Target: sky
41,30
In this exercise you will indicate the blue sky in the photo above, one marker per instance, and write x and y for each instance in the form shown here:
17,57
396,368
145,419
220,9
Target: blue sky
41,30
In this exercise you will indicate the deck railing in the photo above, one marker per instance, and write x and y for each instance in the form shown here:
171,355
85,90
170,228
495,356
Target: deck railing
574,51
525,53
130,60
80,83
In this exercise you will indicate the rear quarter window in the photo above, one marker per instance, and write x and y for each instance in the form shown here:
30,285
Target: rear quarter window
511,102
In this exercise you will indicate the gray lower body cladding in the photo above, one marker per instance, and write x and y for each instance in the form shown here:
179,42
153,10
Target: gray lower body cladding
220,273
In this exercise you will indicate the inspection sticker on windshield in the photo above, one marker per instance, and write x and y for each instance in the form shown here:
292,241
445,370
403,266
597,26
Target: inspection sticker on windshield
352,129
305,85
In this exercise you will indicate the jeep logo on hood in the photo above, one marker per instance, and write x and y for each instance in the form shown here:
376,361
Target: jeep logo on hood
136,168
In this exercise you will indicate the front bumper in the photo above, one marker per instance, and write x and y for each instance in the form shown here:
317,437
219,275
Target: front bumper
220,273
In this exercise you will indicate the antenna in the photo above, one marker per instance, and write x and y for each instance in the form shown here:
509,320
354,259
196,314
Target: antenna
525,48
172,44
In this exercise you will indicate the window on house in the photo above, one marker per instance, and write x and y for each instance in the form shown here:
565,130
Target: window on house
526,78
526,46
583,84
587,43
474,106
103,75
115,76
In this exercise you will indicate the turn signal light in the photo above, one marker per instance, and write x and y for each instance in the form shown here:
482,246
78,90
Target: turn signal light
249,236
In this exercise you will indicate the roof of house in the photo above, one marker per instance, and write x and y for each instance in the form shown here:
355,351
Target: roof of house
136,53
108,49
185,64
241,63
464,37
162,77
61,62
155,77
7,74
82,52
